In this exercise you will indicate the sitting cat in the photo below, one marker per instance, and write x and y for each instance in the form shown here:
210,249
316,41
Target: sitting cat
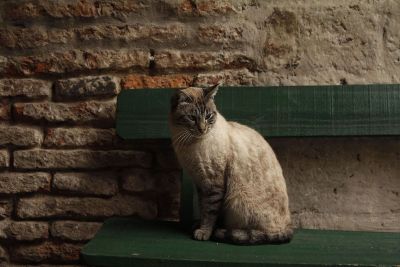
237,175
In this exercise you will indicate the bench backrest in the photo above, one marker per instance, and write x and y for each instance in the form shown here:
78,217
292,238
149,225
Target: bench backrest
275,111
351,110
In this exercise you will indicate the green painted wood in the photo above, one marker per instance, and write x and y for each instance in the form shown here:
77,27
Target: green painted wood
126,242
349,110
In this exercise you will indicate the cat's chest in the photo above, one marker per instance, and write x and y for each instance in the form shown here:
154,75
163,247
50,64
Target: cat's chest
207,161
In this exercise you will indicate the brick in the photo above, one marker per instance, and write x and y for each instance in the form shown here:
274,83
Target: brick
80,112
220,34
23,38
79,159
92,86
138,180
88,207
79,137
46,251
4,110
4,158
30,88
6,207
3,255
20,135
134,81
96,183
180,61
12,182
148,33
75,61
33,37
4,224
27,231
186,8
226,77
28,10
74,231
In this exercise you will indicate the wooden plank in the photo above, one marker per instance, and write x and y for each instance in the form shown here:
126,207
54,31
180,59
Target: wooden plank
125,242
349,110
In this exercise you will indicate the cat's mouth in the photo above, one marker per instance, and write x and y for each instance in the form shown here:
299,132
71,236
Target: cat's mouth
198,134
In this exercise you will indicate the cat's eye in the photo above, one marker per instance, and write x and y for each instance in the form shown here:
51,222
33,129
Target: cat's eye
192,118
209,116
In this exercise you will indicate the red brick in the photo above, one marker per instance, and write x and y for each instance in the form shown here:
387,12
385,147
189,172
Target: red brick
74,231
16,37
79,137
207,7
95,183
79,159
46,251
27,231
188,61
89,86
4,110
79,112
33,37
74,61
66,9
20,135
164,81
6,207
138,180
29,88
3,255
133,32
13,183
4,159
220,34
88,207
226,77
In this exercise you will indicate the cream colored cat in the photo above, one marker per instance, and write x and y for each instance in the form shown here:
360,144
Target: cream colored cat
238,177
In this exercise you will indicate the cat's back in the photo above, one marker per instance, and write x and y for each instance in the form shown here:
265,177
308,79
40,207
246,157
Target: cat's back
249,146
243,135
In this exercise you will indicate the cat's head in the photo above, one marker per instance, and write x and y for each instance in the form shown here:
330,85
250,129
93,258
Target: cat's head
193,110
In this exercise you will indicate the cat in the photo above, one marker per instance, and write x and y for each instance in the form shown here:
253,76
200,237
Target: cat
237,175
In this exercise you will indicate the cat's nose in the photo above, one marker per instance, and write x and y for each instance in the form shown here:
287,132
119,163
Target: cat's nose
202,127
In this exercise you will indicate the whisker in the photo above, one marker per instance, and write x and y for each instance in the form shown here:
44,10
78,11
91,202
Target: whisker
182,138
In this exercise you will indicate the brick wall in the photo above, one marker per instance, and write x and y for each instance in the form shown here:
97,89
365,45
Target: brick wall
63,169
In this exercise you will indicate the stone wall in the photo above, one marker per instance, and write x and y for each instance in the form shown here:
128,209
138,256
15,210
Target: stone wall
63,169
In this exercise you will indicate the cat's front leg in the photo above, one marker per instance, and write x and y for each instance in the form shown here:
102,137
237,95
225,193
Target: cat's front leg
210,200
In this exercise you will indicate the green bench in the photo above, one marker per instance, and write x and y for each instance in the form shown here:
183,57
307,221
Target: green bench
299,111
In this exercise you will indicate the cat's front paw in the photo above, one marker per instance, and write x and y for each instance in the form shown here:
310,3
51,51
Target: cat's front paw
202,234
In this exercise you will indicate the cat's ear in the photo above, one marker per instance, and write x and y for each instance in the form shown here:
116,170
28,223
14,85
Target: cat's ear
179,97
211,91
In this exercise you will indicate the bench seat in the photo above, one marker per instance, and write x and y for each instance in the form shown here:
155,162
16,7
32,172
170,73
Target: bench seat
128,242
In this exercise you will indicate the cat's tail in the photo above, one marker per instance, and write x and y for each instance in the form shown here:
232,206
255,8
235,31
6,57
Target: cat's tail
251,237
